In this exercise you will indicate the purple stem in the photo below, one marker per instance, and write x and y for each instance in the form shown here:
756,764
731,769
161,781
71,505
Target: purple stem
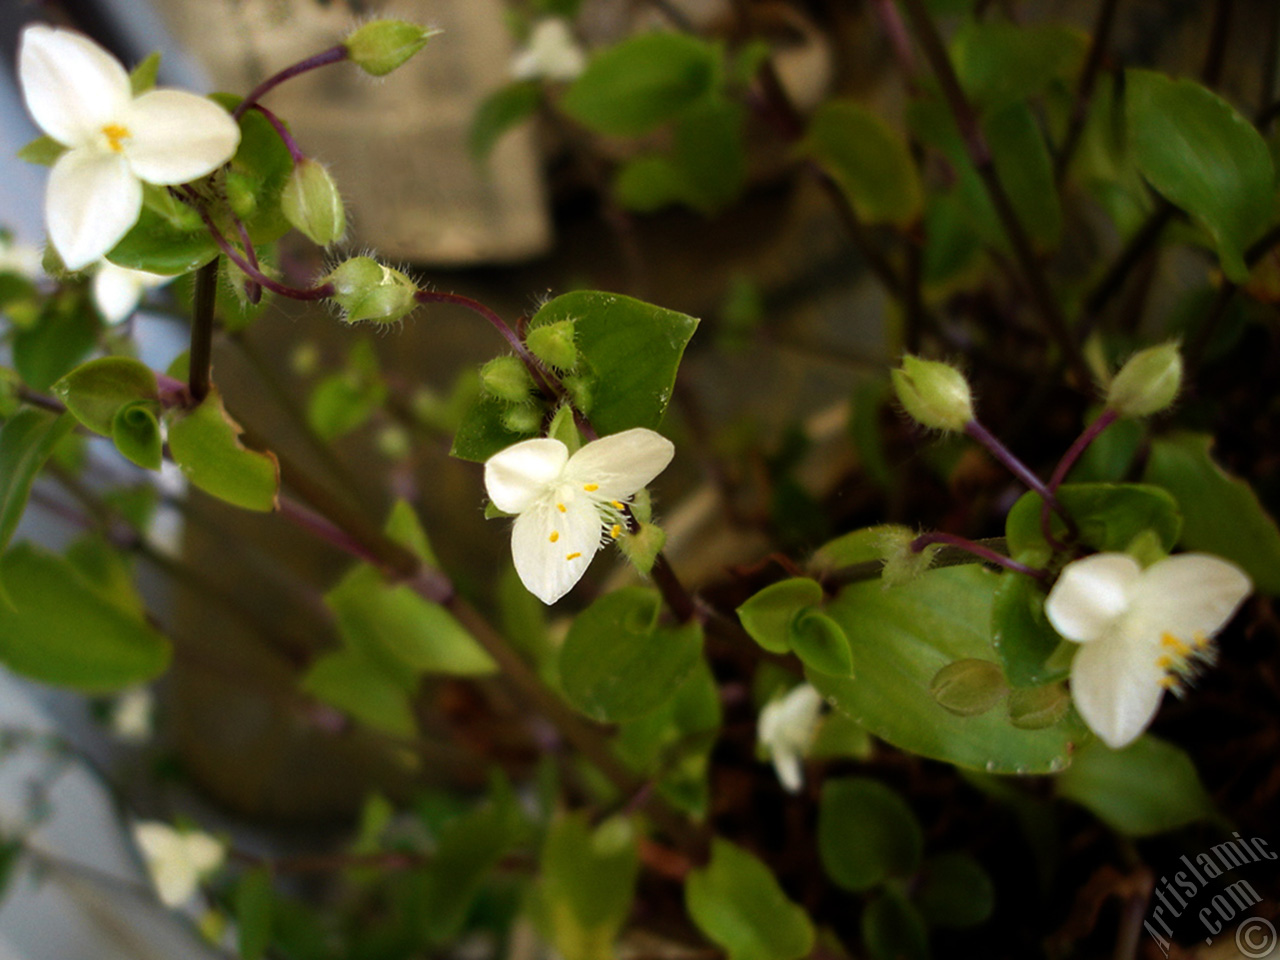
978,550
284,290
283,132
252,289
1091,433
323,59
899,38
1019,469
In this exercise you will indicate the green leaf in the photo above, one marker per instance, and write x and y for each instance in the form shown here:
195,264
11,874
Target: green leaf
136,433
393,624
108,570
868,159
737,903
405,529
1148,787
483,431
65,333
649,183
868,545
356,684
259,171
95,391
26,441
954,891
1221,513
768,614
617,664
1197,151
710,155
1023,637
900,639
143,77
1109,515
1024,166
892,929
42,151
60,629
499,112
632,347
641,83
253,906
205,443
821,644
345,400
866,834
1000,63
587,884
156,245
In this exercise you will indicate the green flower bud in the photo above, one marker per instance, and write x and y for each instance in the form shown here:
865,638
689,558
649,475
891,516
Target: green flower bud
552,343
507,379
643,546
366,290
1148,382
901,563
968,688
525,418
310,202
393,442
380,47
934,394
580,392
241,194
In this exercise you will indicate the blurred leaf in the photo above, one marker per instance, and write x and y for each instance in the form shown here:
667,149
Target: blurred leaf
1000,63
59,629
1221,513
42,151
1024,166
1110,456
767,615
892,929
107,570
1197,151
65,333
866,834
345,400
205,443
499,112
356,684
1148,787
587,884
156,245
641,83
482,432
868,159
143,77
901,638
617,664
96,390
253,908
136,433
1109,515
737,903
820,643
1023,637
953,890
26,441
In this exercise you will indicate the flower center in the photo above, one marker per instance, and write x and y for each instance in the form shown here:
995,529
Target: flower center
1181,661
116,136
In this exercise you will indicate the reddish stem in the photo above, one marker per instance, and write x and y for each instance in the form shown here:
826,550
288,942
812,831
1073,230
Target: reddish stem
333,55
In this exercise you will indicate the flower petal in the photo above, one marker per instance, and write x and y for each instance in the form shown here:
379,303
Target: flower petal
622,463
72,86
552,549
517,476
1187,595
93,200
1116,687
1091,595
202,852
117,290
789,769
175,136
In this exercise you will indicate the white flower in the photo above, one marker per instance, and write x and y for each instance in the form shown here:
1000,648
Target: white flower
177,860
79,95
568,505
20,258
131,715
1142,631
117,290
786,730
552,53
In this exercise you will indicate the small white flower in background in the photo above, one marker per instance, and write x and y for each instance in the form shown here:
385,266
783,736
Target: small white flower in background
118,290
1142,631
567,506
786,730
79,95
131,715
552,53
176,860
20,258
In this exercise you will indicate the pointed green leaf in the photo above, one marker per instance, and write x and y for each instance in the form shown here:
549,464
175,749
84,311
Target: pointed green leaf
587,884
95,391
1000,62
358,685
1109,516
143,77
866,834
1025,168
205,443
65,333
821,644
502,110
954,891
768,614
26,441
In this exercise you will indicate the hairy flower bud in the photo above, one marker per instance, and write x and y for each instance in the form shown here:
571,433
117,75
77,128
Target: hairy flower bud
934,394
507,379
367,290
311,202
382,46
552,343
1148,382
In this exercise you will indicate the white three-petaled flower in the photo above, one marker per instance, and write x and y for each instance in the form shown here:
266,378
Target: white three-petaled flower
566,506
786,730
80,96
177,860
1142,631
118,290
552,53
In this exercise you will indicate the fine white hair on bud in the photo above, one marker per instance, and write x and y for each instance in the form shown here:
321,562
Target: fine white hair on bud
935,394
1148,382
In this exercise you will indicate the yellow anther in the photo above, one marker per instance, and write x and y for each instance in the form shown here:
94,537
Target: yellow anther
573,556
1174,644
591,487
1199,640
1164,661
1169,682
615,531
560,507
116,136
617,504
555,535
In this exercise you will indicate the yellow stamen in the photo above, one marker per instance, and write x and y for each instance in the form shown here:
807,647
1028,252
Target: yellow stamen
1199,640
591,487
555,535
560,507
1176,645
1164,661
573,556
116,136
617,504
615,531
1169,682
